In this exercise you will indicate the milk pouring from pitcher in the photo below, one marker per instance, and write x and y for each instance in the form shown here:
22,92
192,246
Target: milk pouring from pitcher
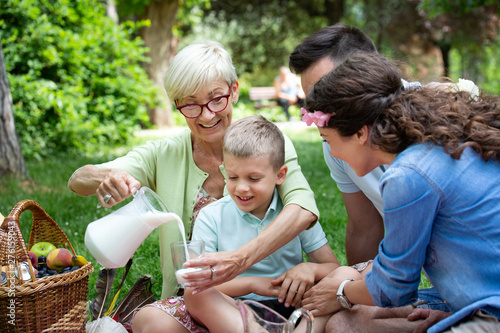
113,239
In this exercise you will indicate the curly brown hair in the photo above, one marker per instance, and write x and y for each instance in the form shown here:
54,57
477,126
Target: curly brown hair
367,90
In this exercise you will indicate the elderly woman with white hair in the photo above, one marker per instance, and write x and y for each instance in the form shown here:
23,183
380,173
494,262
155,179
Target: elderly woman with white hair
185,170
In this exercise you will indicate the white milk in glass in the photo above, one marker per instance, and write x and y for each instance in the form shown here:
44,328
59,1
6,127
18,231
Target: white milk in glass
178,261
183,271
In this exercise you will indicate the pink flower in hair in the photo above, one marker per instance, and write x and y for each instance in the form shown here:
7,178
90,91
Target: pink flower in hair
317,117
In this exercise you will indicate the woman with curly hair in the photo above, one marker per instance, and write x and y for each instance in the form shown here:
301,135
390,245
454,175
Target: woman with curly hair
441,190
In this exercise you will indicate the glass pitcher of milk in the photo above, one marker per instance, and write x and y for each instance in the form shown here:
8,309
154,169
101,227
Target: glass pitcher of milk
113,239
258,318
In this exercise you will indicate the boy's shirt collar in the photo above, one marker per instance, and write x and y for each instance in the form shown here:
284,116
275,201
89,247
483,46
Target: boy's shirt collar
271,209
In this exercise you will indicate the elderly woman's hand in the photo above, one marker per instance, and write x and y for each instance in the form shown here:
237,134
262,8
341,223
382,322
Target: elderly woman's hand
116,186
220,267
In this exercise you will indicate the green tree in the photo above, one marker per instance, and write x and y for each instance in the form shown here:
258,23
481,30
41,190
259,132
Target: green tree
162,17
466,26
259,33
481,58
437,27
76,77
435,8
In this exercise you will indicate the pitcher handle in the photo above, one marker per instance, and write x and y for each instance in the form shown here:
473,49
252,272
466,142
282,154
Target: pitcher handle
305,314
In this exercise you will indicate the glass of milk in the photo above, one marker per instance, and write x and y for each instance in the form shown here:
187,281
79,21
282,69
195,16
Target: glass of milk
182,252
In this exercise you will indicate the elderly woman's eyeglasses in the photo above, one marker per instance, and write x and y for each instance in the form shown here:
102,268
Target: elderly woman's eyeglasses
216,104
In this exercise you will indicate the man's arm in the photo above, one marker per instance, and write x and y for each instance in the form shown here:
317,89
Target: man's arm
365,228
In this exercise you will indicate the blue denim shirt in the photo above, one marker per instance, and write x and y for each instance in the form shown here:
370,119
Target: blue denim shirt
441,214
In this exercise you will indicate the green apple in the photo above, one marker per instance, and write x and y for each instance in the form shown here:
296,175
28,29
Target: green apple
42,248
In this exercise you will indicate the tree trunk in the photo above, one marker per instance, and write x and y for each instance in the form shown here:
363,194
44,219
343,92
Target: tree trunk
111,10
334,10
162,45
445,50
11,158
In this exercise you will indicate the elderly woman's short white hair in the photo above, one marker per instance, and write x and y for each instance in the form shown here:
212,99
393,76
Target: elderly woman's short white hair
196,66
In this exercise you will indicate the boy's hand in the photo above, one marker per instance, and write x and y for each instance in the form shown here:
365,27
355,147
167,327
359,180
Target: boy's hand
262,286
294,283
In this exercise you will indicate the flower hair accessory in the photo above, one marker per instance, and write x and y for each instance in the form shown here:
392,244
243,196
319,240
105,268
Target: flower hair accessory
468,86
317,117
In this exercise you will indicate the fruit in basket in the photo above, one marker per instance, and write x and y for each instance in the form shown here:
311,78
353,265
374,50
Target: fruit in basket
42,248
78,261
33,259
42,270
58,259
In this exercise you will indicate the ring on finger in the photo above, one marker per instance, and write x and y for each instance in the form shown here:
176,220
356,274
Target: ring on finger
214,272
106,198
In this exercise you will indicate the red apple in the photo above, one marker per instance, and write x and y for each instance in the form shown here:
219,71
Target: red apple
59,258
33,258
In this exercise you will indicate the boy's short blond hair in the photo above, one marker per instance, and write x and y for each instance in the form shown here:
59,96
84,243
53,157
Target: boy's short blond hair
255,136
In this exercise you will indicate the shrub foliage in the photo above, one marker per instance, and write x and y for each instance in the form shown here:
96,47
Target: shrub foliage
76,77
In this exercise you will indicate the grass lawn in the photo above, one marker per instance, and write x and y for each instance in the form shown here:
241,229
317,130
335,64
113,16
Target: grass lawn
72,213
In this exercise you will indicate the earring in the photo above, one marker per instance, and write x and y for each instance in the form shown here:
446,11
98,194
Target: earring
234,102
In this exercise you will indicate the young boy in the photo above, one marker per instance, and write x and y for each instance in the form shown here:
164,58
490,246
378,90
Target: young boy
254,164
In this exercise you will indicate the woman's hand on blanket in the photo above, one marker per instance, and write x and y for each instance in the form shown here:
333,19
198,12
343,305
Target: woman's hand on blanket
227,266
294,283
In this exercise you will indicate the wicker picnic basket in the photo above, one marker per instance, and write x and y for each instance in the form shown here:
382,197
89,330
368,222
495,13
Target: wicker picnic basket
50,304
